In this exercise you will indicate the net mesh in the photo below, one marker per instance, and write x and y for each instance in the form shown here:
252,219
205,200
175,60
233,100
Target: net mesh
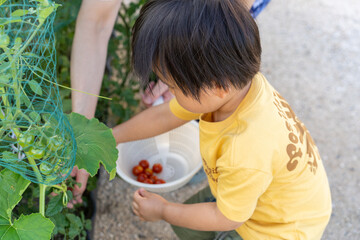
37,140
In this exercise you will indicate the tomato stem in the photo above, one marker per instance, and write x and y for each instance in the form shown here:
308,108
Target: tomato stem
42,199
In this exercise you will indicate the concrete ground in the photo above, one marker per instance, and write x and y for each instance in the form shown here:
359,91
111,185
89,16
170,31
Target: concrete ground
311,54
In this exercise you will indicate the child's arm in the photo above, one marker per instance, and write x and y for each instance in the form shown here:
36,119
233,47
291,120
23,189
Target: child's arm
200,216
151,122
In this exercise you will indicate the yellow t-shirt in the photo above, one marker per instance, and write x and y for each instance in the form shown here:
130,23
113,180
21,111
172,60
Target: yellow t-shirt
263,167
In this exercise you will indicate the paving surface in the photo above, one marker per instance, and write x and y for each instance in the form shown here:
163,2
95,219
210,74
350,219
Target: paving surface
311,54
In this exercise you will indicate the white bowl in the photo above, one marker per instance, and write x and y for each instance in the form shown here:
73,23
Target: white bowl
178,151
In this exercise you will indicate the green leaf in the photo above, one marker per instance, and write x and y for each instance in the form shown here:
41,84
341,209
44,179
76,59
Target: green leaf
9,156
55,206
5,78
88,224
74,220
19,13
45,12
4,21
12,186
75,225
4,66
35,116
60,222
24,99
35,87
96,144
30,227
2,1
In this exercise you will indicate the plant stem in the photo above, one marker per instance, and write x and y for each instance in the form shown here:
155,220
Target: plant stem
42,186
42,199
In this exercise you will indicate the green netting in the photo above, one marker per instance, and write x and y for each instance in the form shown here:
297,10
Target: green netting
37,140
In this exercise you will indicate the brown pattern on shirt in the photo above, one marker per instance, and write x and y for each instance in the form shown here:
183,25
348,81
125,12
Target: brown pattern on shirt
211,172
297,135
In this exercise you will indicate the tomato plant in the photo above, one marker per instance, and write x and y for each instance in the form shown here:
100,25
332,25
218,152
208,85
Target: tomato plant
32,147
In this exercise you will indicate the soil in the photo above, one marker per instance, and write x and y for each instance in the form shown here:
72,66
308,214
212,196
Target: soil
311,55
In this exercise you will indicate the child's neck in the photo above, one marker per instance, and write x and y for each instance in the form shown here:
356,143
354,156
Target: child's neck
231,103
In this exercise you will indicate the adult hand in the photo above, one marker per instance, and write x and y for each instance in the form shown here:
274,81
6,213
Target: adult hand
148,206
154,91
81,176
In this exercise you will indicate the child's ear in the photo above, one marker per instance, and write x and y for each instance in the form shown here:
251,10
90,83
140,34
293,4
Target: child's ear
220,92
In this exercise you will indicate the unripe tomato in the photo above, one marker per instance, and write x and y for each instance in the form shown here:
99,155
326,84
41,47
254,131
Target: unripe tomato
55,143
25,140
45,168
36,153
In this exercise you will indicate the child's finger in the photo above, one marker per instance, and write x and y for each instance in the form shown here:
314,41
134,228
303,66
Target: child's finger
136,212
135,206
143,192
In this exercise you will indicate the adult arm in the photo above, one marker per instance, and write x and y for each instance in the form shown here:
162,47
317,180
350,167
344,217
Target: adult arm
94,25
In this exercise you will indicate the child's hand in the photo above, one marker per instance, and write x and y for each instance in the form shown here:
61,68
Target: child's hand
154,91
148,206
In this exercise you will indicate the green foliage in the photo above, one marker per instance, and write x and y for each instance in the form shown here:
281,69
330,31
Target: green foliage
18,221
29,227
64,28
96,144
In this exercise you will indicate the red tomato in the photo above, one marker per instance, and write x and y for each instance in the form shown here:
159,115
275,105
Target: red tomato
148,172
144,163
137,170
148,181
160,181
153,178
157,168
142,177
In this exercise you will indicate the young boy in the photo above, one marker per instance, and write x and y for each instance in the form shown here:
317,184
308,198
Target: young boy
264,170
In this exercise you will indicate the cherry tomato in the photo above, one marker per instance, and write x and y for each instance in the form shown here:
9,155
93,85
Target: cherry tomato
137,170
157,168
55,143
148,172
36,153
142,177
160,181
144,163
25,140
153,178
45,168
148,181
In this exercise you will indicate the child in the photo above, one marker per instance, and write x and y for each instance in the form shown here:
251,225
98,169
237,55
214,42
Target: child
265,174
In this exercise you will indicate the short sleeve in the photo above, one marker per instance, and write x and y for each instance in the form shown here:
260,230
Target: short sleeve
238,190
180,112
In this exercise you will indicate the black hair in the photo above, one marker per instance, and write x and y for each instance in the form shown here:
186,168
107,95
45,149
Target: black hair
200,44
